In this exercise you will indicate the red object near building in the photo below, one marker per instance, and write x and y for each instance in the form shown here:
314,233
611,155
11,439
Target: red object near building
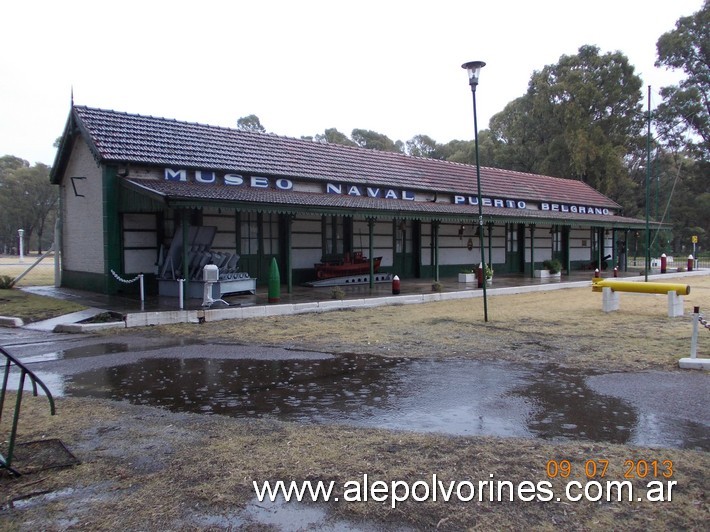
346,265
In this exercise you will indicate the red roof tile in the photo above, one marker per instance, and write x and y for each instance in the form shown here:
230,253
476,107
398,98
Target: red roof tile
121,137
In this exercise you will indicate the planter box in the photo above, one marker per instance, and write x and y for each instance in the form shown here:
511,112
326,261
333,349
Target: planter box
468,278
545,274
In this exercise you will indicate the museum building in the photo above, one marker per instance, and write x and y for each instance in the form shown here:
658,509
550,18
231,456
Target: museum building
140,194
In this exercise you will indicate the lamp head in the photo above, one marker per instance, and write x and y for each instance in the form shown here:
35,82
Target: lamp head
474,71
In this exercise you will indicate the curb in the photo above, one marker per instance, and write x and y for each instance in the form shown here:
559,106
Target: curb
7,321
87,327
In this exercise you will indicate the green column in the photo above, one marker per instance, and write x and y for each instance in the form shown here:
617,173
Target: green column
289,254
435,248
600,247
111,228
532,251
568,251
490,245
185,264
371,228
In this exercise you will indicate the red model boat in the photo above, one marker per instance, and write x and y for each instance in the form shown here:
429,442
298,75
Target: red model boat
346,265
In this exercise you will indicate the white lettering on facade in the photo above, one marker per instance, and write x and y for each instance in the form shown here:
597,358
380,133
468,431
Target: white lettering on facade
211,177
577,209
259,182
331,188
233,179
284,184
205,177
175,175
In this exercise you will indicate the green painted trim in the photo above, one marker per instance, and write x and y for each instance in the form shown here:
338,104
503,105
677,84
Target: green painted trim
93,282
111,227
131,200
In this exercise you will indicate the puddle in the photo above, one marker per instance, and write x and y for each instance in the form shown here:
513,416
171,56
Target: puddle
92,350
459,397
452,396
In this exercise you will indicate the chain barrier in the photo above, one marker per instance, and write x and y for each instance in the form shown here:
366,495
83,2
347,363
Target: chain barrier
126,281
703,322
138,277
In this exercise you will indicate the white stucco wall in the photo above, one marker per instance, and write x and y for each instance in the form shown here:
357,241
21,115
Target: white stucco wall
82,212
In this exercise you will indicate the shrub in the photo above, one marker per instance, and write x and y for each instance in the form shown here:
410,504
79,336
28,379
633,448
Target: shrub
337,293
5,282
553,265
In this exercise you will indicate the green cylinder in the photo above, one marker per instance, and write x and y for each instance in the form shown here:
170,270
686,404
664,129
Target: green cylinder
274,282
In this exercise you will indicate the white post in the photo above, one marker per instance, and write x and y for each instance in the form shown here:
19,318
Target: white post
180,292
21,232
610,300
675,305
694,338
57,247
140,280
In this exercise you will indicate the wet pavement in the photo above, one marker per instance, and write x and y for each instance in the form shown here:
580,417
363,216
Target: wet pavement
449,396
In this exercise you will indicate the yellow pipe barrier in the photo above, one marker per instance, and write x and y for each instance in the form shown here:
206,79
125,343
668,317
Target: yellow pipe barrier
598,284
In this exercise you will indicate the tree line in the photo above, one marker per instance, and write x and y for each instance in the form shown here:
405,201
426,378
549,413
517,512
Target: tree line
582,118
586,118
27,201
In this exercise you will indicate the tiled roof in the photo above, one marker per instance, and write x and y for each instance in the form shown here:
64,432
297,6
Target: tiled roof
129,138
178,193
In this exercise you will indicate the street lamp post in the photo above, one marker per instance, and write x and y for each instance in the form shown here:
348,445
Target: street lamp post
21,232
474,70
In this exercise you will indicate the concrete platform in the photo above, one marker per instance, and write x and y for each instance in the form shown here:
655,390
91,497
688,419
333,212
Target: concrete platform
161,310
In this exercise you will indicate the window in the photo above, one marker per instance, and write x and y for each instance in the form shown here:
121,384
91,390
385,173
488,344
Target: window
249,232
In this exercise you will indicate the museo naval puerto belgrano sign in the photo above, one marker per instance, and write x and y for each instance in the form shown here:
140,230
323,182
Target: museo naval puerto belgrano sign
208,177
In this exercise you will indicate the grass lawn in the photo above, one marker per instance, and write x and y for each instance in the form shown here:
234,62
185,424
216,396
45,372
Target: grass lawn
40,275
18,304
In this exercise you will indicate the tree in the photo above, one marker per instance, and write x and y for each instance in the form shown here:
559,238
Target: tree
28,201
372,140
682,123
250,123
333,136
423,146
683,119
574,121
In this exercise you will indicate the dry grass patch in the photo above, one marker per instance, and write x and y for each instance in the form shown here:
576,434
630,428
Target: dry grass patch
146,468
563,326
40,275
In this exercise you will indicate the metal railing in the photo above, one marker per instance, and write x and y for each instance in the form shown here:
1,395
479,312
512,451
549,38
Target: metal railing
678,262
6,461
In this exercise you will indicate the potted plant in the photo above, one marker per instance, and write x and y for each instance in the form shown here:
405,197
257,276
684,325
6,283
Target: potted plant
468,275
551,268
489,274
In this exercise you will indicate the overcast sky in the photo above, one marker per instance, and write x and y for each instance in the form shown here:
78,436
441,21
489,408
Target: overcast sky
301,66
